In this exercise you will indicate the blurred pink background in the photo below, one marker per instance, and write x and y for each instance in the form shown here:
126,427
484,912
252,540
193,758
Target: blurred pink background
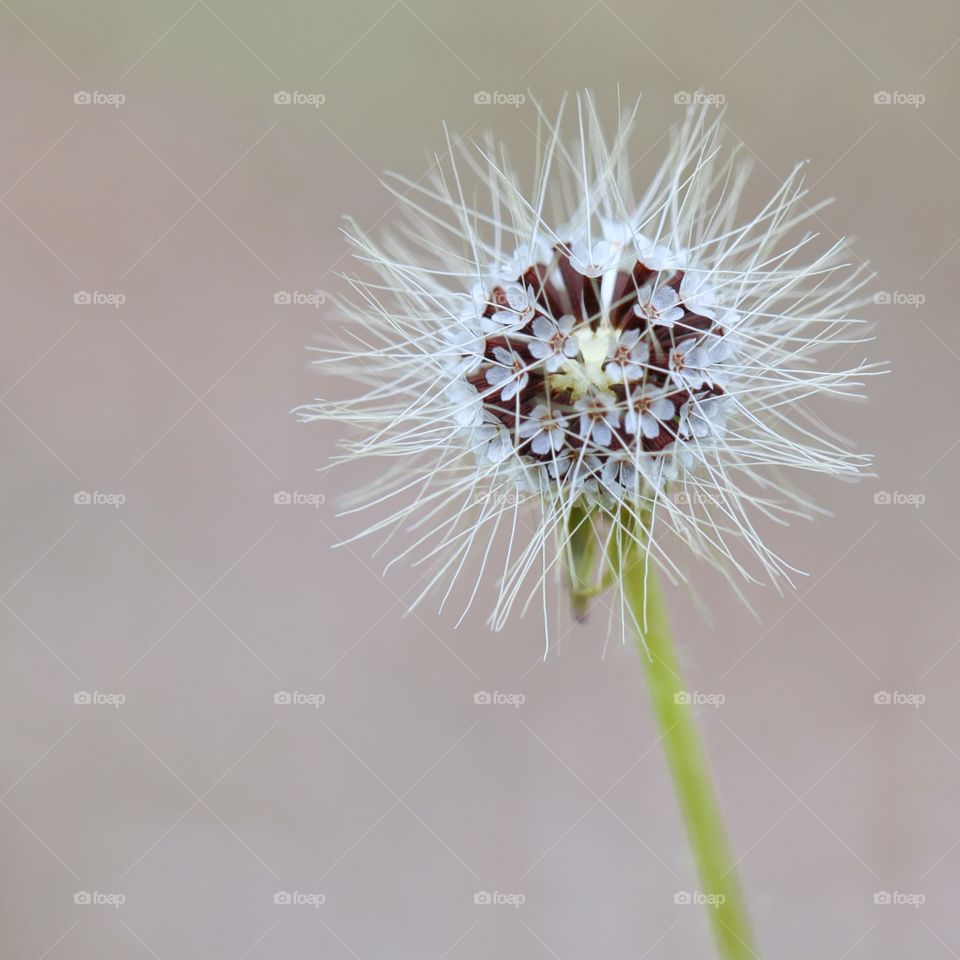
198,799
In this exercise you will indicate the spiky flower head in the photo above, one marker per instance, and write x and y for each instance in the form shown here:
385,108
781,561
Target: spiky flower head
591,374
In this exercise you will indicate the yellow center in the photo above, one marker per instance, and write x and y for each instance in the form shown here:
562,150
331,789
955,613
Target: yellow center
587,372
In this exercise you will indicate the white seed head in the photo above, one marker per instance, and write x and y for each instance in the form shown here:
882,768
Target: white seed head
574,353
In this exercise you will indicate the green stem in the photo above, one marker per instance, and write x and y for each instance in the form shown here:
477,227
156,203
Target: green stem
691,776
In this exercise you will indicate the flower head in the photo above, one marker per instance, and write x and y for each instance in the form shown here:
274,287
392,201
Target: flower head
582,370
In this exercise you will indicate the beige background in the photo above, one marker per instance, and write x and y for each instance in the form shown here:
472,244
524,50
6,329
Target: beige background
199,598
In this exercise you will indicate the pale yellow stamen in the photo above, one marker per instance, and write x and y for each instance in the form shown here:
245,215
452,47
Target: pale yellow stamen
587,371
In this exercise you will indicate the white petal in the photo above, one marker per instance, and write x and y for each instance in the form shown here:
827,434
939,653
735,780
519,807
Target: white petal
498,448
649,426
516,297
510,390
662,409
616,231
601,433
540,443
543,328
664,298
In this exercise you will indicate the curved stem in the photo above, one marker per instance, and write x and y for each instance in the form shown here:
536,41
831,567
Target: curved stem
721,890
